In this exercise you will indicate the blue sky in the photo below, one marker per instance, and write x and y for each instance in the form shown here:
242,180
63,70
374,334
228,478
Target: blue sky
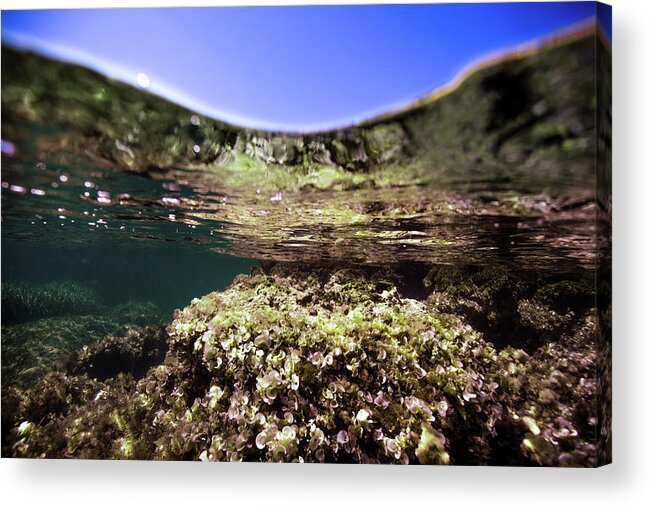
293,68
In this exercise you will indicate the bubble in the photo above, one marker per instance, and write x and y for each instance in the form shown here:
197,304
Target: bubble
8,148
171,201
103,197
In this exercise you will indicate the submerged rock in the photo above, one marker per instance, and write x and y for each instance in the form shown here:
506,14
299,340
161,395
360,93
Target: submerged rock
325,366
132,352
29,349
523,310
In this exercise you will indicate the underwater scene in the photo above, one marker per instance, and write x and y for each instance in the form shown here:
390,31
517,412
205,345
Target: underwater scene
429,285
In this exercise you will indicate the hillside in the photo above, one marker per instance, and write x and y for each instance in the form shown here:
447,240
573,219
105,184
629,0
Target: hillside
524,124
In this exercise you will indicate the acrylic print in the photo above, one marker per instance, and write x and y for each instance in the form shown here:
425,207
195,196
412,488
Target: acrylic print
316,234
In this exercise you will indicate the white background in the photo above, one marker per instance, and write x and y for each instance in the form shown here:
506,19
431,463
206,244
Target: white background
626,482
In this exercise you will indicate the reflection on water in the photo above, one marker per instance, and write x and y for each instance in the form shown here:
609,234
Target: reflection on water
54,196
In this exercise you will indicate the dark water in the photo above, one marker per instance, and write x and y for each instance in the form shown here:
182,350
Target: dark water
129,246
170,277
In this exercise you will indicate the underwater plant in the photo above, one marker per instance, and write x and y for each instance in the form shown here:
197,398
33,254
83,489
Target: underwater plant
30,348
319,366
523,310
24,301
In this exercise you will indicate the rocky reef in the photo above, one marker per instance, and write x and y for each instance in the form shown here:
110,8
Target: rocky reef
62,318
318,365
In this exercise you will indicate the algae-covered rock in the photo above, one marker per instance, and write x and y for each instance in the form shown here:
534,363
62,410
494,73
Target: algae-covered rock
29,349
328,367
523,309
71,411
318,365
551,402
134,352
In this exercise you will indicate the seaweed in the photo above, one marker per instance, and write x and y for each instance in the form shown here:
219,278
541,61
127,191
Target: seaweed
23,301
318,366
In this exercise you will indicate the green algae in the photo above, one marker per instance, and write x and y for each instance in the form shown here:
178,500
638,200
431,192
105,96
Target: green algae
512,308
23,301
30,349
552,401
324,366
